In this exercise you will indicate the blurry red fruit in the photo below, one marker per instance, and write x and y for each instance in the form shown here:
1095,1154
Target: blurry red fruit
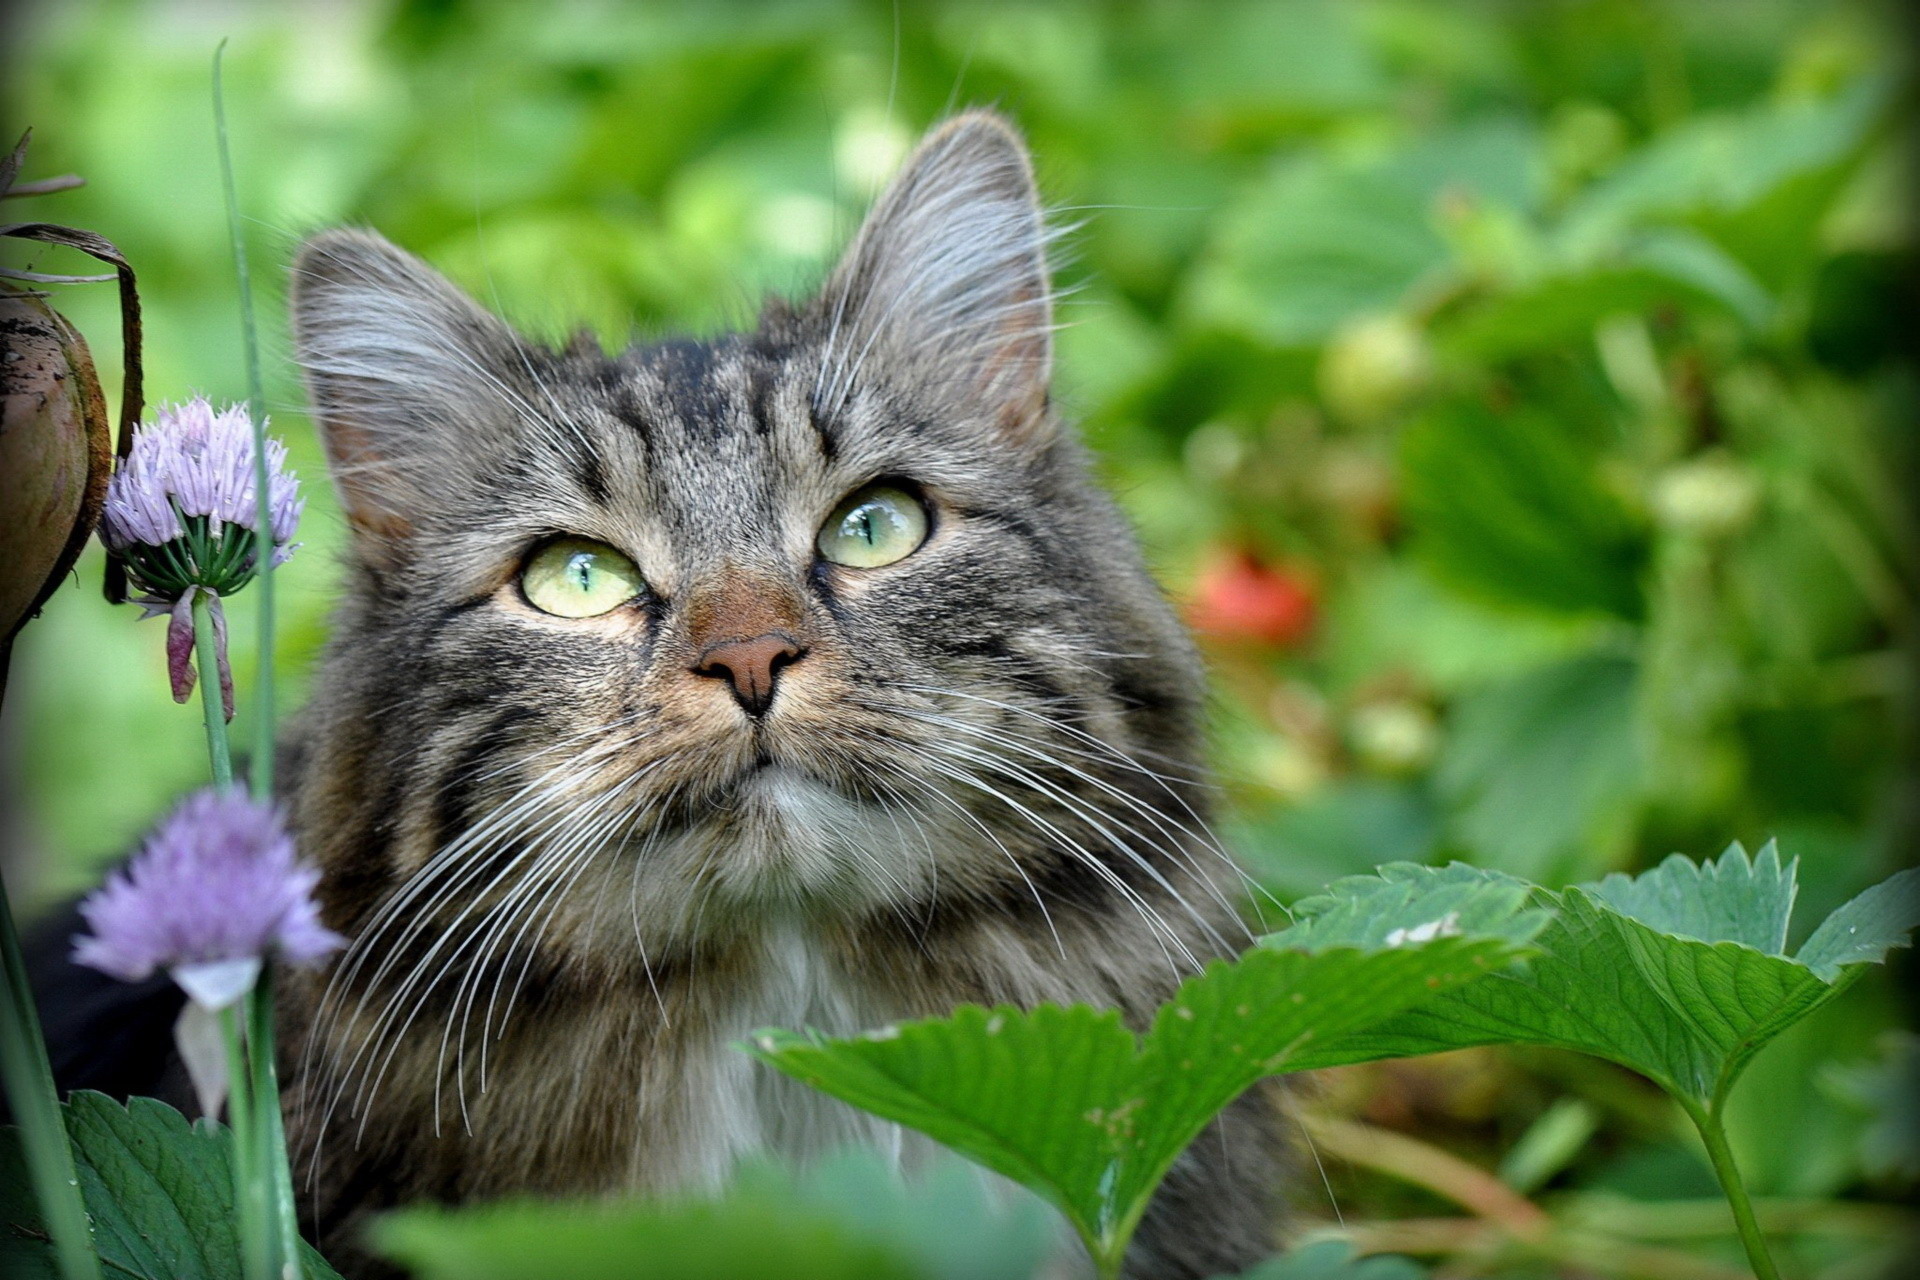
1239,598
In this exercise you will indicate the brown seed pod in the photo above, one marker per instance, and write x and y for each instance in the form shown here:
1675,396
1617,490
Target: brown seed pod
56,452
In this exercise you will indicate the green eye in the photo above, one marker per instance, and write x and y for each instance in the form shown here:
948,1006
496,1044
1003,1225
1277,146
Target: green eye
876,525
574,578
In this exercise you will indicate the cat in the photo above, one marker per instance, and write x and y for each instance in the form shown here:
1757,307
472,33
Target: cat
798,677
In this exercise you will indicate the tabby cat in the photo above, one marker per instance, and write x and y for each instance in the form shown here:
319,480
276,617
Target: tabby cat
799,677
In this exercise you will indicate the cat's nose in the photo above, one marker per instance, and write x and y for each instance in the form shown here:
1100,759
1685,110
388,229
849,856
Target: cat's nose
752,667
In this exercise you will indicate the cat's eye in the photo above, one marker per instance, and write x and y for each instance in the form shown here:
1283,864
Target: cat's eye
576,578
876,525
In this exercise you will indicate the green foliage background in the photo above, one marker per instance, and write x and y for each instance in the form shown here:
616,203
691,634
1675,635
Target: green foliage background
1549,351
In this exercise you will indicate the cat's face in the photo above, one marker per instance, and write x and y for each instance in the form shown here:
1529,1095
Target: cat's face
824,619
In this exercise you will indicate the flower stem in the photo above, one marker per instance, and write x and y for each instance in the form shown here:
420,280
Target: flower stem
273,1178
36,1111
249,1199
207,658
272,1146
1713,1132
261,765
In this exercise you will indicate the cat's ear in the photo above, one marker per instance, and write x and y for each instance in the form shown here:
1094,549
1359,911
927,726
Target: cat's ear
945,287
405,375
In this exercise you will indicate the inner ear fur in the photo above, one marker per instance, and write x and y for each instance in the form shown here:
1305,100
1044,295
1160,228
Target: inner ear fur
945,288
404,374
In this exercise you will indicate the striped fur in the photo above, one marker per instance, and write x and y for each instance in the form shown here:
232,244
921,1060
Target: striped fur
575,872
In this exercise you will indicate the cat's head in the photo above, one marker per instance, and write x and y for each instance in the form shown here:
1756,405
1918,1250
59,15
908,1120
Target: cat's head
823,617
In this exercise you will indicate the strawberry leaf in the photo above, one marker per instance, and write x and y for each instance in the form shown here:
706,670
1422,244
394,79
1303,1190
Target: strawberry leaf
157,1187
1067,1101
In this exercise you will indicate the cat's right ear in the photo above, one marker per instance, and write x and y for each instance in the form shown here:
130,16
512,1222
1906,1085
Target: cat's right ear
403,372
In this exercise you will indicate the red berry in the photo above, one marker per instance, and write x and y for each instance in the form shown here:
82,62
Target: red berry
1239,598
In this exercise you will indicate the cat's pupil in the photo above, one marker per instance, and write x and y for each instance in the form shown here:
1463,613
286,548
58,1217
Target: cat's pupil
580,570
867,532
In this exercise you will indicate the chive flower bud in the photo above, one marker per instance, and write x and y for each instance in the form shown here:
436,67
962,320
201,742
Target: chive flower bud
215,891
182,513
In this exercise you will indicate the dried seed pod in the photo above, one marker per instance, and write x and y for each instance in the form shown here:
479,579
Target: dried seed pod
56,453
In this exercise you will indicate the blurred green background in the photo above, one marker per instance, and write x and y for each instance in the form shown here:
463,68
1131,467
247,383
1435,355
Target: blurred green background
1517,396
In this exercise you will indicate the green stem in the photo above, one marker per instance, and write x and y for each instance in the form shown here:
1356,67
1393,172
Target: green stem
1108,1252
261,766
36,1111
250,1205
272,1145
213,707
1714,1133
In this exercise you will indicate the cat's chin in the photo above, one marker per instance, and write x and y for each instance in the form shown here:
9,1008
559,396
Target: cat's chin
779,834
785,793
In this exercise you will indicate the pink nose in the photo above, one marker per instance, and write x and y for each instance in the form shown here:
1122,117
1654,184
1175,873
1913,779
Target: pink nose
752,667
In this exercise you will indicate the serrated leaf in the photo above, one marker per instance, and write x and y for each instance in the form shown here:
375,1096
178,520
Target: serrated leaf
1731,900
1241,1022
1661,973
1374,910
159,1191
1065,1100
1865,929
1724,997
1030,1095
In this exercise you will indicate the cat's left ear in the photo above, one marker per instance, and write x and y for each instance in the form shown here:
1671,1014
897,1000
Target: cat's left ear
944,291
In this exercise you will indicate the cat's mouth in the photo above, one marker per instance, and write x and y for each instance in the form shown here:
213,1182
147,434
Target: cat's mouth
786,787
790,793
776,777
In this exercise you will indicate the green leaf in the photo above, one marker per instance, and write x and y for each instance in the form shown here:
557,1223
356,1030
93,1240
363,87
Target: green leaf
1508,507
1322,241
1865,929
748,1236
1241,1022
157,1188
1031,1095
1400,902
1731,900
1334,1260
1065,1100
1535,768
848,1214
1660,267
1345,828
1757,182
954,1223
1678,974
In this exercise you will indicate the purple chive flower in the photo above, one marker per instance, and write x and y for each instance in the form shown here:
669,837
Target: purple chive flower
215,890
196,462
181,513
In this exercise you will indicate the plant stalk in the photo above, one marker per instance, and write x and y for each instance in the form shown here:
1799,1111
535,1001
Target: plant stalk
36,1112
1713,1132
260,767
271,1148
249,1199
206,652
